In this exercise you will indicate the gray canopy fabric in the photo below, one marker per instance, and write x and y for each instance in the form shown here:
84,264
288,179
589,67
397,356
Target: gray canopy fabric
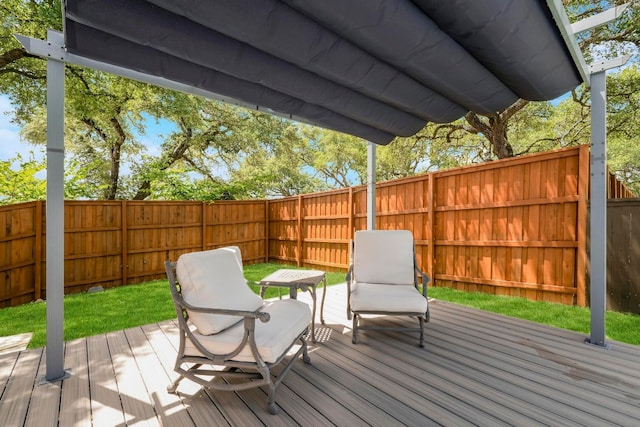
376,69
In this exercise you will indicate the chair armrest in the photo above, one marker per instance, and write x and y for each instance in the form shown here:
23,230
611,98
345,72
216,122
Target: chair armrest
347,276
425,280
257,314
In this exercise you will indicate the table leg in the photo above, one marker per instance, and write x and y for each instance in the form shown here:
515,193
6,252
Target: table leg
313,313
324,294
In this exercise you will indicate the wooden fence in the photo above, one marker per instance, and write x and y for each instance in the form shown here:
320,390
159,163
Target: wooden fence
111,243
623,255
514,227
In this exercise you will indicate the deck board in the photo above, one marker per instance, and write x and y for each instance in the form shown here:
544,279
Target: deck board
7,364
106,406
476,368
44,407
75,402
168,406
138,408
17,393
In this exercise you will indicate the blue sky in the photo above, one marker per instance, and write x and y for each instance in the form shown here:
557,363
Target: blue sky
11,145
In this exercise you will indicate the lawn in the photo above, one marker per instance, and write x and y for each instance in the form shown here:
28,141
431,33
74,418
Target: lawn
114,309
89,314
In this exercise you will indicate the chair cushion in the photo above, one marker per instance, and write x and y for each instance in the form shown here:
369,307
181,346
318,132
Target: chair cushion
289,318
236,252
384,256
378,297
214,279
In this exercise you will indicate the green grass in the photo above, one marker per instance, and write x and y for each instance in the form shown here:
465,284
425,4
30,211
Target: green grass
128,306
622,327
114,309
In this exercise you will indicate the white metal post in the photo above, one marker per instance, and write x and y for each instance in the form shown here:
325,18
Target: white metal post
371,186
598,213
55,219
598,209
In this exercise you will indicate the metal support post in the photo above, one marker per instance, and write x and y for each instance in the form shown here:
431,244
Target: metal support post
371,186
55,220
598,214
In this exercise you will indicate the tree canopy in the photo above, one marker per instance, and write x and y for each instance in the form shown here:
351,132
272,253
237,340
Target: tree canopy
214,151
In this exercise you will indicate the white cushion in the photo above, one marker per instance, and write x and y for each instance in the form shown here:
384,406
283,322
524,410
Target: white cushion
236,252
214,279
376,297
383,256
289,318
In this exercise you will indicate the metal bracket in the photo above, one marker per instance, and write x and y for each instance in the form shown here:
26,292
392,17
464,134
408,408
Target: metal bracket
44,381
599,19
600,66
602,345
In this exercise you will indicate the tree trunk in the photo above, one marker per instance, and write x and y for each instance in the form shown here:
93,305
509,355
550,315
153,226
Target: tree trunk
116,154
494,128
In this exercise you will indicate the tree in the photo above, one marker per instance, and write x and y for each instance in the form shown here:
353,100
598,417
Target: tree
621,36
22,184
623,126
23,180
22,75
218,151
101,110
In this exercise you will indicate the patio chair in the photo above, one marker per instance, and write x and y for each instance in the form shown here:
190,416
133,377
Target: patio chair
382,279
217,313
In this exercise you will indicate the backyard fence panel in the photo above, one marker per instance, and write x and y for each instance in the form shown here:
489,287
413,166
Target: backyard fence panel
157,231
359,211
408,209
18,253
92,245
325,229
283,230
509,227
623,255
236,223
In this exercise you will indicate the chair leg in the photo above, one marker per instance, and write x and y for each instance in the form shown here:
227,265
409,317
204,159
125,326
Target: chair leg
305,353
271,404
354,334
271,397
421,320
171,388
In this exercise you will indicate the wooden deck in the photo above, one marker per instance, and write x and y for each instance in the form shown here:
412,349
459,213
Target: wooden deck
476,369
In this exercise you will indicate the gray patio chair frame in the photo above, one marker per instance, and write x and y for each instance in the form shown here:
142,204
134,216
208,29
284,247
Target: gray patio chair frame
253,374
422,317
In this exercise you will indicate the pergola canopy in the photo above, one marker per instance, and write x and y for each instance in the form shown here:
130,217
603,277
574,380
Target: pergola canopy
376,69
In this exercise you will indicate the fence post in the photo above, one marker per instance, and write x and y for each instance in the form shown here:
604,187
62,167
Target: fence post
581,256
431,228
125,242
203,232
266,230
38,250
299,254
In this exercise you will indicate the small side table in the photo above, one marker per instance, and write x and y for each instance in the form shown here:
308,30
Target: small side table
305,280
